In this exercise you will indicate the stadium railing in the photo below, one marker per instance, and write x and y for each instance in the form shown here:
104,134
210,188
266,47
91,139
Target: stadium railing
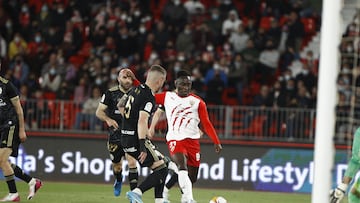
231,122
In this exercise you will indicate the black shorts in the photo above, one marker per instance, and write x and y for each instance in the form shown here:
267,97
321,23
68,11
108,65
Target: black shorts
10,138
152,154
115,150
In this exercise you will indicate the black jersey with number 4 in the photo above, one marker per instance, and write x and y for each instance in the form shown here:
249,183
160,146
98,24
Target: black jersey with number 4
7,109
140,98
110,98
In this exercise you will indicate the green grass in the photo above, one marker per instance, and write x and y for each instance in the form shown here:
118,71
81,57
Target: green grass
56,192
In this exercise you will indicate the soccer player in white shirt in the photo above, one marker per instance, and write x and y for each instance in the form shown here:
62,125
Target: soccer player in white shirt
184,112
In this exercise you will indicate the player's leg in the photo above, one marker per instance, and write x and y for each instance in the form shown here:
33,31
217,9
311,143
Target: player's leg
9,175
183,177
116,155
155,179
193,162
133,172
193,173
9,138
34,183
173,171
158,193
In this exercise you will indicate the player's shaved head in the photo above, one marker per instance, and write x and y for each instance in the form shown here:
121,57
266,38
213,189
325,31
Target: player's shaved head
125,78
156,77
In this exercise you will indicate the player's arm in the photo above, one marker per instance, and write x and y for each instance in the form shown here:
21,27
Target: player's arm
20,114
101,114
208,126
159,111
353,167
143,130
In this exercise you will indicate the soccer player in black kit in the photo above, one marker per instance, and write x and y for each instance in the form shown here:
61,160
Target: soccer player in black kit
12,130
137,108
108,112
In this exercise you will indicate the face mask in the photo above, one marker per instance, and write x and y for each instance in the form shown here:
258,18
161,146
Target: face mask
137,13
17,39
209,48
176,2
215,16
24,9
142,30
287,77
52,71
124,65
98,81
44,8
305,72
349,49
37,39
106,59
60,10
177,68
187,31
113,76
8,24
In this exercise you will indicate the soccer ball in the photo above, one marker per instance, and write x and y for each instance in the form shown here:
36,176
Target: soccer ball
218,199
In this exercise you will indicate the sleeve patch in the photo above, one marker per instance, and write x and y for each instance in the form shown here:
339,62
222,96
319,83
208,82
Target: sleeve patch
148,107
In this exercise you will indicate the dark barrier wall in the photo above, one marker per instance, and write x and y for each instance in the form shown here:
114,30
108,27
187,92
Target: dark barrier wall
241,165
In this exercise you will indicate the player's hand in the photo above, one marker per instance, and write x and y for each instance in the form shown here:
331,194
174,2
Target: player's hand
128,73
112,124
142,157
337,194
218,148
22,136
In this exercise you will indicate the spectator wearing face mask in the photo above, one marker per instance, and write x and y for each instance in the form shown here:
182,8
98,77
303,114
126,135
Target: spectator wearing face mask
307,77
231,24
51,80
52,62
17,46
175,16
214,24
185,40
20,69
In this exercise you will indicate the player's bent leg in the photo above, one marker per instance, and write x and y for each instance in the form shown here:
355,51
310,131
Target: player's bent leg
117,169
133,172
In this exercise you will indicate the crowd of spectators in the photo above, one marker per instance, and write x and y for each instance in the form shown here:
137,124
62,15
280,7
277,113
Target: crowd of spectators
348,83
63,48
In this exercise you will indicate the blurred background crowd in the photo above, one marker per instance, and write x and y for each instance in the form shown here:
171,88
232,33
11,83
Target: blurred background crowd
238,51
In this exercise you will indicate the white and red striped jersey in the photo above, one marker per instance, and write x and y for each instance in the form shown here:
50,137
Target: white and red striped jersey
184,114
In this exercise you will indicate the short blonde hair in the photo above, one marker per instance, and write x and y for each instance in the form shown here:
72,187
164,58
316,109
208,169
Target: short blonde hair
155,72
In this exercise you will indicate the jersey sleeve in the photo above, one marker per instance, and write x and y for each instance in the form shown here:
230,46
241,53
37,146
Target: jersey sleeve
207,125
11,90
160,98
147,102
106,98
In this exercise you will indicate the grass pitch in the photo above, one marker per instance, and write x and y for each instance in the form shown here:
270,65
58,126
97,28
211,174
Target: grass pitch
56,192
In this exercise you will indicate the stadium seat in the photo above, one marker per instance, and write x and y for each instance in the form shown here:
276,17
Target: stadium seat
255,128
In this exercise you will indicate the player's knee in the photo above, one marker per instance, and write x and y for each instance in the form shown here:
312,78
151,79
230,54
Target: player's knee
117,167
131,162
